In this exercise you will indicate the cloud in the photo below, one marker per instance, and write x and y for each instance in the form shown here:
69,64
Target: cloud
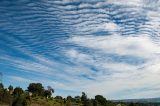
20,79
76,56
136,46
122,76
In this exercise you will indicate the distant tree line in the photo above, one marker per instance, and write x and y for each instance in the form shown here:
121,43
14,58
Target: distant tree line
36,93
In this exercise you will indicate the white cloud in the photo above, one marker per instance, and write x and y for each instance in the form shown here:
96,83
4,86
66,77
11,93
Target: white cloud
120,67
78,57
135,46
107,27
20,79
123,76
126,2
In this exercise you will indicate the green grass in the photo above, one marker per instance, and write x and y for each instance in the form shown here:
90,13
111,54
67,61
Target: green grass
46,102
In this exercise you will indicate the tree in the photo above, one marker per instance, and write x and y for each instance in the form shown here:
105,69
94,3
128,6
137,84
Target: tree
17,91
133,104
101,100
69,98
36,88
20,101
5,97
84,99
77,99
10,88
95,102
1,86
47,94
64,101
50,89
59,97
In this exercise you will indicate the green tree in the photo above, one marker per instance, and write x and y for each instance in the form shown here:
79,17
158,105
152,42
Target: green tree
69,98
19,101
84,99
10,88
64,100
95,102
77,99
36,88
47,93
133,104
1,86
101,100
18,91
5,97
50,89
59,97
68,103
1,91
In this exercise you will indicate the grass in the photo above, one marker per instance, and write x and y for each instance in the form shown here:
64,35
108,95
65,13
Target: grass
45,102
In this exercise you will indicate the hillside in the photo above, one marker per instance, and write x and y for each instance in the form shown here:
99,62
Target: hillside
36,95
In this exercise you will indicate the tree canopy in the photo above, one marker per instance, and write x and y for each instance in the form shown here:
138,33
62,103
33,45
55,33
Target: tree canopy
36,88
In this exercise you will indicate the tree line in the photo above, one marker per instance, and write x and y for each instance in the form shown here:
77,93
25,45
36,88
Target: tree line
35,93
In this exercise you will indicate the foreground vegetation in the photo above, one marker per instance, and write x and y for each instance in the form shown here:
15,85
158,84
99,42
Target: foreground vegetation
36,95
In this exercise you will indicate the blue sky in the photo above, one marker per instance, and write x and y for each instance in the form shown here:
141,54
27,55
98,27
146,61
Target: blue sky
107,47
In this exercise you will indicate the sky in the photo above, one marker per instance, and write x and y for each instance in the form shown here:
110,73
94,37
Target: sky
106,47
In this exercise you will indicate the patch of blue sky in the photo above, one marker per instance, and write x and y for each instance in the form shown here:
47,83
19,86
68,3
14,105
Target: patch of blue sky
86,77
102,33
126,59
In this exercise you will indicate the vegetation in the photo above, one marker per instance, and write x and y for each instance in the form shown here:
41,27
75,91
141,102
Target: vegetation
36,95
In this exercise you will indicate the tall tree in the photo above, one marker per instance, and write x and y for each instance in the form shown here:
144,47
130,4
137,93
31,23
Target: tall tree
84,99
36,88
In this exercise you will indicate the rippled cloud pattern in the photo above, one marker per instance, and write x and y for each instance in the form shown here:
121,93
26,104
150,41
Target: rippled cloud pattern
107,47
